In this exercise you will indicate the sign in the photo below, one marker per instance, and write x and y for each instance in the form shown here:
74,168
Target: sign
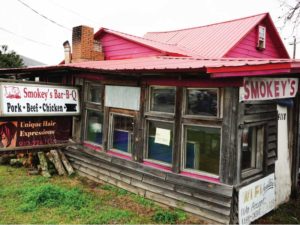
256,199
268,88
162,136
29,99
34,131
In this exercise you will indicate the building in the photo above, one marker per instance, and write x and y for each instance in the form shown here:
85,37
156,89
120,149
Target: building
191,118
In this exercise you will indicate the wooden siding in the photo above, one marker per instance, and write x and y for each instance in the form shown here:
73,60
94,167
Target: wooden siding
115,47
247,46
211,201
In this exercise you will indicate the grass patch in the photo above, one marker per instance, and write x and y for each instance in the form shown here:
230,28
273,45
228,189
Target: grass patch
63,200
49,195
116,190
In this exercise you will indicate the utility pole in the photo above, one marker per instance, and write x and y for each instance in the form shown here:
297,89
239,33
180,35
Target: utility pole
294,51
294,43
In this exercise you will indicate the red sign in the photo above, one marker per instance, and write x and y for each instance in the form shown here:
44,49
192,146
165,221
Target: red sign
19,132
268,88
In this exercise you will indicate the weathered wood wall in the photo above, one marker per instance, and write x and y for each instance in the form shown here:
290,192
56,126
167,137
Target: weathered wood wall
211,201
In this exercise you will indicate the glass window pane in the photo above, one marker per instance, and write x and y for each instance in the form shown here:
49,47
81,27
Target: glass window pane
252,147
162,99
122,133
95,94
160,141
202,102
94,126
202,149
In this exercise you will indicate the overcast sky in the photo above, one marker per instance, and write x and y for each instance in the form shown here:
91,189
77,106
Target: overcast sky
33,36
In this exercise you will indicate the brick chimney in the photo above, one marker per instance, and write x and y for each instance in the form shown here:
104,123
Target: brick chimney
83,45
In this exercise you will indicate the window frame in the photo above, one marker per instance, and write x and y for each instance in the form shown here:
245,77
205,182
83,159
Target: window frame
183,147
149,98
261,41
110,135
146,142
248,172
92,106
203,117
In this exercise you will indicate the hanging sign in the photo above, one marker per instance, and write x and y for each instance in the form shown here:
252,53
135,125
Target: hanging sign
256,199
43,100
254,89
34,131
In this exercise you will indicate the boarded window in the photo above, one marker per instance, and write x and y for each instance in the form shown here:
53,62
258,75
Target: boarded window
122,97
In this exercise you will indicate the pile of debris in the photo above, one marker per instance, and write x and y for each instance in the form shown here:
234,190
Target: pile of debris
44,163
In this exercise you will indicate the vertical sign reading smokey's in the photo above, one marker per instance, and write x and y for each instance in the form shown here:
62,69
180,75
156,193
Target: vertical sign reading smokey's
23,131
28,99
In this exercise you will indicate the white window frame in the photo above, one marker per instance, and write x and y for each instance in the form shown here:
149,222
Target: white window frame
183,147
111,132
262,37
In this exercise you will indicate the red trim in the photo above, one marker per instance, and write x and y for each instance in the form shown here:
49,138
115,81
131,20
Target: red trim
120,155
208,83
200,177
270,66
250,73
91,146
157,166
91,77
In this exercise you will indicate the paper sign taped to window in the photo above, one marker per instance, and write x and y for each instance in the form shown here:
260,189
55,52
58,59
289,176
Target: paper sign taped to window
162,136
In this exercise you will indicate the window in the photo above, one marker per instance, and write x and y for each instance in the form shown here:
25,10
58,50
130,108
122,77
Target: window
162,99
160,141
121,137
95,94
202,102
94,126
252,148
160,124
202,148
201,131
93,106
261,37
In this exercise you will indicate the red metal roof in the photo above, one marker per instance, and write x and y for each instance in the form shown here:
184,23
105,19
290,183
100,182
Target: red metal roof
179,64
211,41
168,49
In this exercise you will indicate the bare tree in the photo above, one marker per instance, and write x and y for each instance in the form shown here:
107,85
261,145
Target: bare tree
291,13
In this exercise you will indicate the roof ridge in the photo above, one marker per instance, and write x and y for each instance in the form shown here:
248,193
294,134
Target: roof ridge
228,21
141,37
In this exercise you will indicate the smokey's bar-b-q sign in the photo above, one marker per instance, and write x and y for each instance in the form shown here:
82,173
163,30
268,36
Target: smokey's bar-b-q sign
27,99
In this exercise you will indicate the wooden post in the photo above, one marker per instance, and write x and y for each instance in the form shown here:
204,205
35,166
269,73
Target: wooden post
177,132
55,159
228,157
43,164
66,162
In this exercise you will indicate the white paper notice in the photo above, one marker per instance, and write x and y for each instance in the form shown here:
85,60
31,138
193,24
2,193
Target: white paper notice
162,136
